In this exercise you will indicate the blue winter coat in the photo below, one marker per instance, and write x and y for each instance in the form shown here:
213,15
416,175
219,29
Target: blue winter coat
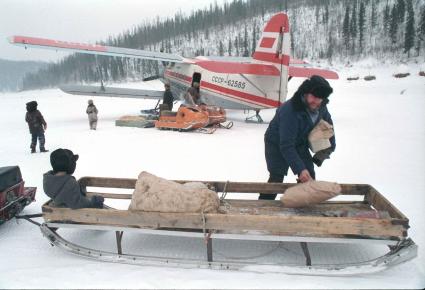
286,138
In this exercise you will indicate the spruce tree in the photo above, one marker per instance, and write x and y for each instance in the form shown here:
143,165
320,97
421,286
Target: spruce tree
229,47
401,10
373,15
362,20
353,23
346,27
387,19
254,38
245,43
421,27
237,46
220,48
420,31
409,36
393,25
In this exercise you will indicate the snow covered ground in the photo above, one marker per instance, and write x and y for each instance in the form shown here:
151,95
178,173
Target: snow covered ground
380,130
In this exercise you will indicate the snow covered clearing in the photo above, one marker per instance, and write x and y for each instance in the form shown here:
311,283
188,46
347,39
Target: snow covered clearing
380,131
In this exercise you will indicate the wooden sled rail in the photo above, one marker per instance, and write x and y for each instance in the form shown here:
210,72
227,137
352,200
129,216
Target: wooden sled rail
219,186
278,225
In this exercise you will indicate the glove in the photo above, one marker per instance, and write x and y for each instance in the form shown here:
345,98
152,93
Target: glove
97,201
321,156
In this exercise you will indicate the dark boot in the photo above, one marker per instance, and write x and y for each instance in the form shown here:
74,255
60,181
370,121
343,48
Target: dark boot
274,178
33,142
42,140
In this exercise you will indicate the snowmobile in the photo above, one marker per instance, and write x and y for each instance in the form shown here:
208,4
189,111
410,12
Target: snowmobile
190,118
360,234
13,195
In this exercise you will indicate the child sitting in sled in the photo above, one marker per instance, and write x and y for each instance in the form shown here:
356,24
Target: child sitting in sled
62,187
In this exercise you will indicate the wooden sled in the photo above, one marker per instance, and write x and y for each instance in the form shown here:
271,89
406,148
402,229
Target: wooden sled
365,222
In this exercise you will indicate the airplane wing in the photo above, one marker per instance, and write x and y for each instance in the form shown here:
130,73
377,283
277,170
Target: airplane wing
306,72
93,49
111,92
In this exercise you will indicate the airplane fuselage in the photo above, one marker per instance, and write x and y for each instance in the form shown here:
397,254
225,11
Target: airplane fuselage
231,91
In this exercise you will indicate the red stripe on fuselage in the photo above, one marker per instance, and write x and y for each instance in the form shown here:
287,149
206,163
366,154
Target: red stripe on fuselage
240,95
239,68
179,76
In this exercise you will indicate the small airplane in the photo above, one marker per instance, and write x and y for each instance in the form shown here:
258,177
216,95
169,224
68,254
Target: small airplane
249,83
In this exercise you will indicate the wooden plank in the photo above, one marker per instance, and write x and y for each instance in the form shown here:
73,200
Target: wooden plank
240,187
379,202
129,197
269,207
111,195
107,182
288,225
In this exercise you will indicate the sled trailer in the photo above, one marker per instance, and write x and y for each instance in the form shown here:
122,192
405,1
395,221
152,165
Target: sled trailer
359,233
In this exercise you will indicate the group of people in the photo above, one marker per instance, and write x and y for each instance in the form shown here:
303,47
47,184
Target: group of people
37,125
58,183
286,144
192,96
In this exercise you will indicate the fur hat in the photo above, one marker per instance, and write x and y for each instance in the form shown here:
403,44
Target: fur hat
315,85
320,87
31,106
63,160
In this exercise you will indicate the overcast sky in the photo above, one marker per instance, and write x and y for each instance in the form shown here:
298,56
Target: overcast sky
78,20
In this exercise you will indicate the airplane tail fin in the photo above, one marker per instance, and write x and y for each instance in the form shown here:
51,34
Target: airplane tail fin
274,45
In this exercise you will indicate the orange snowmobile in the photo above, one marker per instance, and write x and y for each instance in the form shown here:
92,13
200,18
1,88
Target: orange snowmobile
189,118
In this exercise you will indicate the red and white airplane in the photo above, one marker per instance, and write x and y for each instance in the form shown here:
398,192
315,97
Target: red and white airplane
252,83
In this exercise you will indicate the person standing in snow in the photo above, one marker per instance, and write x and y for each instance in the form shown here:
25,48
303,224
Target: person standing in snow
168,97
37,125
286,138
62,187
92,114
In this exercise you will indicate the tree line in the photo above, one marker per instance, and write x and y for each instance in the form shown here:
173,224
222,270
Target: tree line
319,29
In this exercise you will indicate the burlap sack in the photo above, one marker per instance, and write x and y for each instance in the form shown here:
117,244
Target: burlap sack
320,135
309,193
153,193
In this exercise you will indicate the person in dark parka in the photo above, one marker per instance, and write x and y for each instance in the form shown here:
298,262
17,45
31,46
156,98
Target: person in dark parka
286,138
168,97
62,187
37,125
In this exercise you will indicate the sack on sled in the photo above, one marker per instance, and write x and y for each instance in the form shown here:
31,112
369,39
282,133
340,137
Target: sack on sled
309,193
156,194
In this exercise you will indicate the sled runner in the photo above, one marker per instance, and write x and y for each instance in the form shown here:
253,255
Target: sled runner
365,219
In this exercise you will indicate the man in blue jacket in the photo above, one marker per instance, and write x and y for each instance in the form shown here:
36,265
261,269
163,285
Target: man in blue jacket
286,138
